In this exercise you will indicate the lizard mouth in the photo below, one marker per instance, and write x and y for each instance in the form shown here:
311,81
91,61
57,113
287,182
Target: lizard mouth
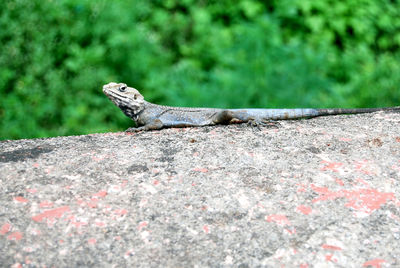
117,99
107,91
128,106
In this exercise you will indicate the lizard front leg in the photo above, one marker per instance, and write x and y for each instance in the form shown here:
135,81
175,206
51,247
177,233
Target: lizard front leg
153,125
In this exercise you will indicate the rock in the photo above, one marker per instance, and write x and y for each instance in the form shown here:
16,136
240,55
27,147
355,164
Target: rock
318,192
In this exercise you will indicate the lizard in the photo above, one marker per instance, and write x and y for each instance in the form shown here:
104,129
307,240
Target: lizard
150,116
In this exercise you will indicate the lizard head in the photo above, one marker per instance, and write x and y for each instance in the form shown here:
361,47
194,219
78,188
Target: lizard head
128,99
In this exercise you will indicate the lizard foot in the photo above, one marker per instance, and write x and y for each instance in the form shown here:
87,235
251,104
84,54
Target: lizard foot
264,123
153,125
134,129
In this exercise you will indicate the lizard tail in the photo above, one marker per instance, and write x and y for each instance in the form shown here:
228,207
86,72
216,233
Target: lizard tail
334,111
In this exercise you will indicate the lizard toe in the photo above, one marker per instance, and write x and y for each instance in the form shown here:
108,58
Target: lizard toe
264,123
134,129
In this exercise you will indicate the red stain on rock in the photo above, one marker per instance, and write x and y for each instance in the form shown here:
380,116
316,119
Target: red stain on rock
129,253
35,232
21,199
51,214
32,191
251,154
46,204
331,247
100,194
329,257
100,224
291,231
124,183
374,263
301,188
15,236
206,229
142,224
339,181
120,211
5,228
203,170
93,203
363,182
333,166
304,209
279,219
363,167
27,260
78,224
396,167
92,241
116,187
320,190
364,200
368,200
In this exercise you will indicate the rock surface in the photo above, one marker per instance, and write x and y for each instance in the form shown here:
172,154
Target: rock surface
322,192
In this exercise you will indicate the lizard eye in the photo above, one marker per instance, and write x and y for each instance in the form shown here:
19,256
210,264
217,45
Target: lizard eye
122,88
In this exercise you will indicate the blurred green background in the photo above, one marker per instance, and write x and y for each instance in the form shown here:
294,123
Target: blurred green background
55,55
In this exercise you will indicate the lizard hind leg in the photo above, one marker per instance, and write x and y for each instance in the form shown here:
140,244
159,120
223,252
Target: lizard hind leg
223,117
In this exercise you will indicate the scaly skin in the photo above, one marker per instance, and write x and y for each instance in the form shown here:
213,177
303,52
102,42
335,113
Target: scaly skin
149,116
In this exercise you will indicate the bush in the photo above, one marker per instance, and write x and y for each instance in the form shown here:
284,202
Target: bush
56,55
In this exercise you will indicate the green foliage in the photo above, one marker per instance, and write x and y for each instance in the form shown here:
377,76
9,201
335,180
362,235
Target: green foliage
56,55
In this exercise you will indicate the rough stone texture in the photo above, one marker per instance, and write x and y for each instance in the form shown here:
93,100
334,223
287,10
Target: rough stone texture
322,192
